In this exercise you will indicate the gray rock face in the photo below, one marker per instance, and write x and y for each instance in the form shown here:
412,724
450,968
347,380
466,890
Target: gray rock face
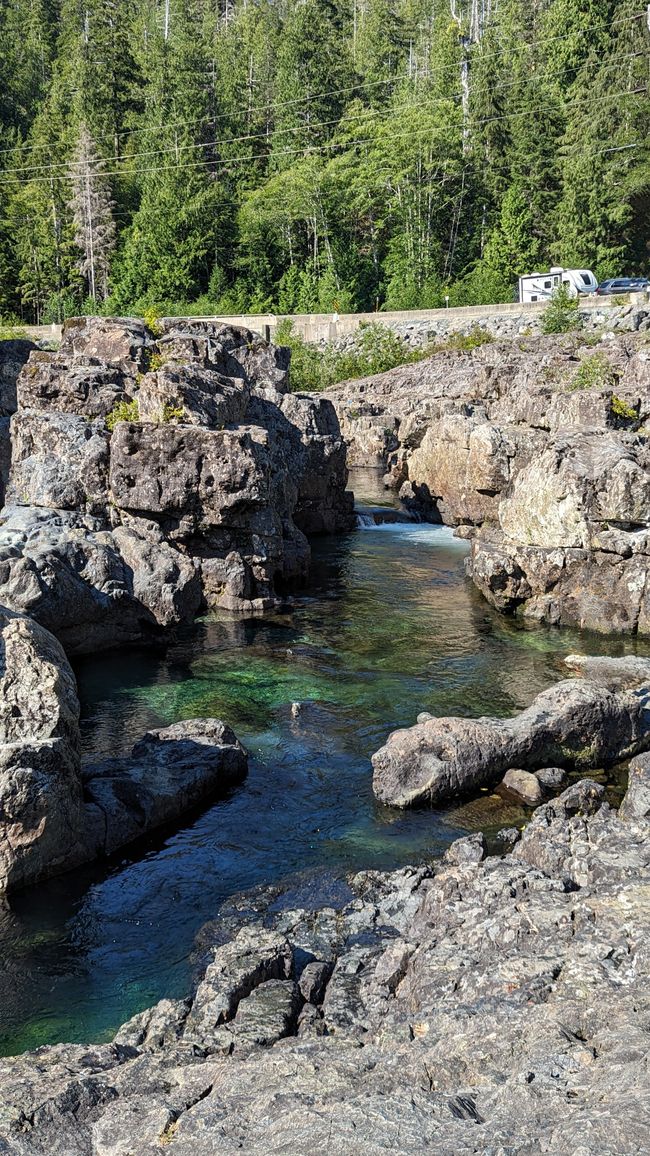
538,448
204,500
55,815
91,587
573,723
489,1005
41,805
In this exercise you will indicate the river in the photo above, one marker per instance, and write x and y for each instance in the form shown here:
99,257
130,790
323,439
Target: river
388,627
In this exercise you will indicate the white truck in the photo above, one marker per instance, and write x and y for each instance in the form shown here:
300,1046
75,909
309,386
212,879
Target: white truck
541,286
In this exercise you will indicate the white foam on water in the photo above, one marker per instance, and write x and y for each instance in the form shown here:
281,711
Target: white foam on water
426,533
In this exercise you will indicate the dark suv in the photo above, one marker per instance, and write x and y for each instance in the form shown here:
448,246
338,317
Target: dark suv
623,285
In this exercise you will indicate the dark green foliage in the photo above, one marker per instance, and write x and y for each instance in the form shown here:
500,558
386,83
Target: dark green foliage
318,155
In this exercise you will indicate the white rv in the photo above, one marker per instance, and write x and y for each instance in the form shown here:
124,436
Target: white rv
541,286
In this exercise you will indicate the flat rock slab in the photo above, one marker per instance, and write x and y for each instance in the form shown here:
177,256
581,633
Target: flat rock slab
575,723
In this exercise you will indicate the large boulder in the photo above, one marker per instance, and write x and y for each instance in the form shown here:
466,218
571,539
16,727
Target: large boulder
538,447
42,815
581,724
54,814
154,476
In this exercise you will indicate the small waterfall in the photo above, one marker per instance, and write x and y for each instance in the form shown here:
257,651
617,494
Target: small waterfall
365,522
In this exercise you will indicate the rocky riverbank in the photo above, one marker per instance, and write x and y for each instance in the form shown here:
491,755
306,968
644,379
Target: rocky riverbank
473,1005
537,450
152,477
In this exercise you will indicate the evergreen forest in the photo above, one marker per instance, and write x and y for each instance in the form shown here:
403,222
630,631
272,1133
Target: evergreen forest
315,155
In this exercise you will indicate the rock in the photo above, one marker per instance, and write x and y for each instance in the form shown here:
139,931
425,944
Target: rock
551,778
254,957
627,670
92,587
469,849
576,723
268,1014
554,474
42,817
202,498
14,354
636,802
168,773
54,815
481,997
313,981
524,786
508,836
59,461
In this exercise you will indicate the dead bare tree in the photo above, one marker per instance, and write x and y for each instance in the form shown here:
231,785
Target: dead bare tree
92,209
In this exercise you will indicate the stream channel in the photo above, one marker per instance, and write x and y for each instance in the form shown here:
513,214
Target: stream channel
388,627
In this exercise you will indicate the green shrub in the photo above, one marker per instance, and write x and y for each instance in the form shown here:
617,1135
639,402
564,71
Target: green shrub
594,372
151,318
123,411
623,412
376,348
172,412
561,314
155,361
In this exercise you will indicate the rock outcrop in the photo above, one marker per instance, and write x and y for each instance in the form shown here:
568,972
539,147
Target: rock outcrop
478,1005
537,449
575,723
56,814
42,820
150,478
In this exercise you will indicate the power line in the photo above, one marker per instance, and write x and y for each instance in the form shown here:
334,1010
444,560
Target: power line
365,114
352,88
9,175
221,166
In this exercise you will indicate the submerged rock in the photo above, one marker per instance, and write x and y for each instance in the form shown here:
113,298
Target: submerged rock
524,786
492,1005
573,723
168,773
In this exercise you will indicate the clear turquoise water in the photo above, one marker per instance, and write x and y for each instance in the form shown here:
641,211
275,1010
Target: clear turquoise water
388,627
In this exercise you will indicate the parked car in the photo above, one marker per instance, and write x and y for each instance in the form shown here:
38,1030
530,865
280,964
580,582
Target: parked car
623,285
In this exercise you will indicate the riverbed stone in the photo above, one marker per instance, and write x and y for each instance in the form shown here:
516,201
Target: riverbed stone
575,723
524,785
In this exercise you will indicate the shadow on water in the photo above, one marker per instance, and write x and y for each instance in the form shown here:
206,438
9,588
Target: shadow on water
388,628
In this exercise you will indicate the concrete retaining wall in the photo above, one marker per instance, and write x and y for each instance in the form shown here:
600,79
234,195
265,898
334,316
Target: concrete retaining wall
322,328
